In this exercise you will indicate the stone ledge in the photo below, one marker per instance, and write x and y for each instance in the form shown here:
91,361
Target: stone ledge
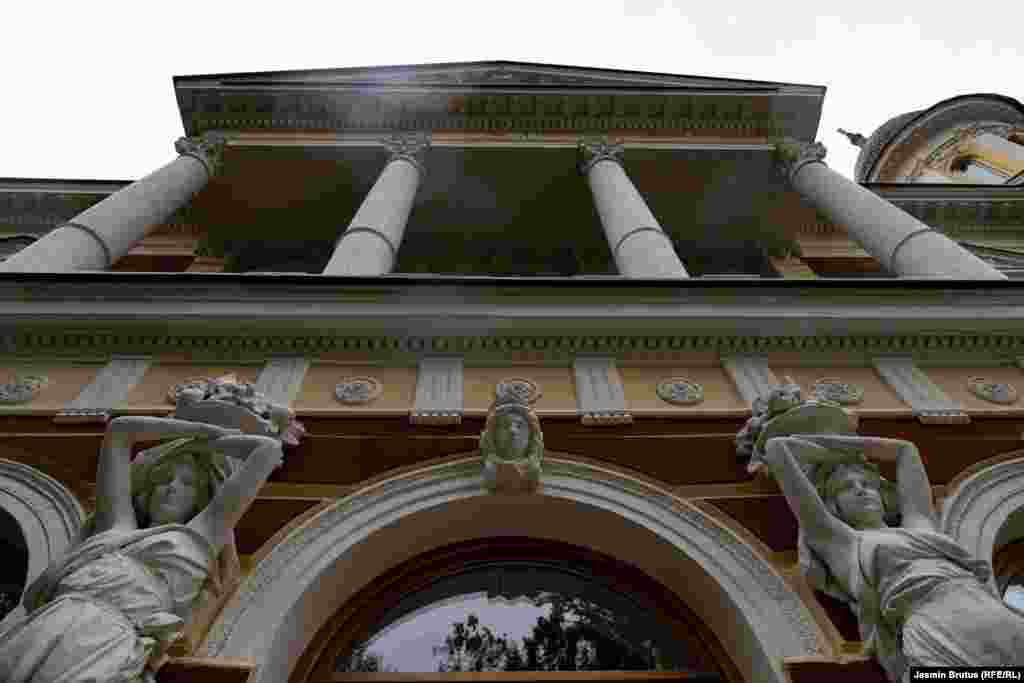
206,670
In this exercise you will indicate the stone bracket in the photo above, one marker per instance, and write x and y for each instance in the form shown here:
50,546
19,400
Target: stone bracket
751,375
600,398
438,391
110,387
930,404
281,378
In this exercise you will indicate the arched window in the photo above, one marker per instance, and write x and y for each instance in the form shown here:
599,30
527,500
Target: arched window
511,604
14,568
1008,568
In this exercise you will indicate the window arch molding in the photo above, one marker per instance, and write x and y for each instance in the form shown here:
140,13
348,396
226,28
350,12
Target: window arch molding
308,577
48,514
981,501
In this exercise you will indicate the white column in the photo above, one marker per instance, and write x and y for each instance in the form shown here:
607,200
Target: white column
369,246
903,244
638,244
97,237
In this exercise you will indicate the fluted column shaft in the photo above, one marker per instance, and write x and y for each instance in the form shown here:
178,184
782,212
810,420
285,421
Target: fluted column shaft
96,238
903,244
369,246
638,244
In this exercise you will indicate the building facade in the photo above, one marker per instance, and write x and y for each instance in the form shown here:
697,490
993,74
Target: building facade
636,257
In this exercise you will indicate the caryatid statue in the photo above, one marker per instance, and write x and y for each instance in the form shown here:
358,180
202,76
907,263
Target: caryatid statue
920,598
112,606
511,444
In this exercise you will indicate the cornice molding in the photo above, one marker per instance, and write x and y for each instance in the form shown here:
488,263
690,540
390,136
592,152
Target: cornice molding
461,108
254,345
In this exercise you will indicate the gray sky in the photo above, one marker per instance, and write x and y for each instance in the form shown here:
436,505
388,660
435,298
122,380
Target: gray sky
87,86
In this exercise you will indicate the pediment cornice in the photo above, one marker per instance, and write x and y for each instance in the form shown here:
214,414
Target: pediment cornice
495,96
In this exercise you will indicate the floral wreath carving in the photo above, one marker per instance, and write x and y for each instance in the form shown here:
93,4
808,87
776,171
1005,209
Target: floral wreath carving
22,390
680,391
275,420
1002,393
524,390
833,389
357,390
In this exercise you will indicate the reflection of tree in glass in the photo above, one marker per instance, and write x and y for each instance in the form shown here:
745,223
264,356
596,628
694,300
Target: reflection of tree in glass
8,601
361,660
578,635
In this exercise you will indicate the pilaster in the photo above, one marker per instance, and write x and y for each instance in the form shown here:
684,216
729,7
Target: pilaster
110,387
930,404
600,398
281,378
438,391
751,375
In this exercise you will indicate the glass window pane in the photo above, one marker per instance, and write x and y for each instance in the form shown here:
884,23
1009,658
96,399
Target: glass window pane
519,616
1014,596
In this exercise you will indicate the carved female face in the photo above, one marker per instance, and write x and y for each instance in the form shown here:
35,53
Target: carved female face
174,495
857,498
782,399
511,436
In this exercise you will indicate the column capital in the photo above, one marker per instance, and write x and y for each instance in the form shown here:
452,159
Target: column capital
207,148
411,147
594,150
791,155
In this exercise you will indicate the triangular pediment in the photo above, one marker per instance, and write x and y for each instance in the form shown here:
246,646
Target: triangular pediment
483,74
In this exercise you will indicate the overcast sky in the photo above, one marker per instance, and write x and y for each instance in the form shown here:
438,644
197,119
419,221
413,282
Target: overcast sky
88,85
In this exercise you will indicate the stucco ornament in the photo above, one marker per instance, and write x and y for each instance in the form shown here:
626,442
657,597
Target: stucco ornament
526,390
357,390
838,391
1002,393
920,598
784,407
680,391
206,396
22,390
112,606
511,444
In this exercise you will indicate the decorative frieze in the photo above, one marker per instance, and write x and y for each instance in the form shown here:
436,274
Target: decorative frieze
358,390
751,375
253,346
680,391
110,387
281,378
438,391
930,404
600,398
